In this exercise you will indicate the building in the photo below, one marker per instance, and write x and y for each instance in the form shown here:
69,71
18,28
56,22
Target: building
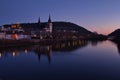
49,25
44,31
36,30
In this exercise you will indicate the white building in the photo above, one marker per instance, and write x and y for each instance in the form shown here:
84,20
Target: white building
2,35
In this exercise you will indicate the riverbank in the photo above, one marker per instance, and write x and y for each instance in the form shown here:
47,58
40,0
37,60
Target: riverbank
24,42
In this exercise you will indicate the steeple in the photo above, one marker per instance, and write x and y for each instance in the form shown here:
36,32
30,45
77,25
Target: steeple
49,20
39,20
49,25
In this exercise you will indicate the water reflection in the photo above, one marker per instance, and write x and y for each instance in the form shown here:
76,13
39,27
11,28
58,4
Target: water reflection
95,42
42,50
69,46
12,51
117,45
87,62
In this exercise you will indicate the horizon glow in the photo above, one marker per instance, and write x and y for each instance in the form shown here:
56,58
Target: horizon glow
102,16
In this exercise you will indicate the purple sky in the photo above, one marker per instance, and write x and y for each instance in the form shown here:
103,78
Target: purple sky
102,16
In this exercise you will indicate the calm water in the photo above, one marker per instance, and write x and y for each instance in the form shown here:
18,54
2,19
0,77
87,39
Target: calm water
72,60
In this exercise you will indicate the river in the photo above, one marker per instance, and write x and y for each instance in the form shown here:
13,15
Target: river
78,60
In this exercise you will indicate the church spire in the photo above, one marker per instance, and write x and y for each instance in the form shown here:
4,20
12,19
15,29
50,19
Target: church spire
39,20
49,20
49,25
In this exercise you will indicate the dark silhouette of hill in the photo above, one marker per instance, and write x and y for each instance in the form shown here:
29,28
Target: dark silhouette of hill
67,26
115,33
116,40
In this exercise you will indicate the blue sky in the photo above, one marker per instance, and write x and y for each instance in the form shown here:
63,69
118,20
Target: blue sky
102,16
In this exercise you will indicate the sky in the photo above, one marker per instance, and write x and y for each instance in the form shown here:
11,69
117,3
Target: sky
102,16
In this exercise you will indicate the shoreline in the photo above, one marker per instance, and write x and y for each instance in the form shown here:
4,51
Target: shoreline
26,42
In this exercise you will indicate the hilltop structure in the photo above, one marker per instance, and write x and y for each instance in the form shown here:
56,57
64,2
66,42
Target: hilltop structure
46,30
28,30
49,25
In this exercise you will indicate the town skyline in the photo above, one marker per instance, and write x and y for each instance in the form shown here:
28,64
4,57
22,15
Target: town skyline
49,18
101,16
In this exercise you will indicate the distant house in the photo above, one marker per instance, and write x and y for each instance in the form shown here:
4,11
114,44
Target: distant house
48,30
2,35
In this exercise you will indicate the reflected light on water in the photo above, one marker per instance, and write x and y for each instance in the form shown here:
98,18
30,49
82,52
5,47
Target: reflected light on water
13,54
0,54
75,58
26,51
69,44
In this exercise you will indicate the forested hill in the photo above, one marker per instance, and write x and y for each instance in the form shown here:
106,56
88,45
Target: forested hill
115,33
68,26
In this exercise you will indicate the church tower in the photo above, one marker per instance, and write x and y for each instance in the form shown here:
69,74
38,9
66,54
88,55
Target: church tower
39,22
49,24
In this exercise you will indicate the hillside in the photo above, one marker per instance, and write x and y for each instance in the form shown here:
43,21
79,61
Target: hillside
56,26
69,26
115,33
